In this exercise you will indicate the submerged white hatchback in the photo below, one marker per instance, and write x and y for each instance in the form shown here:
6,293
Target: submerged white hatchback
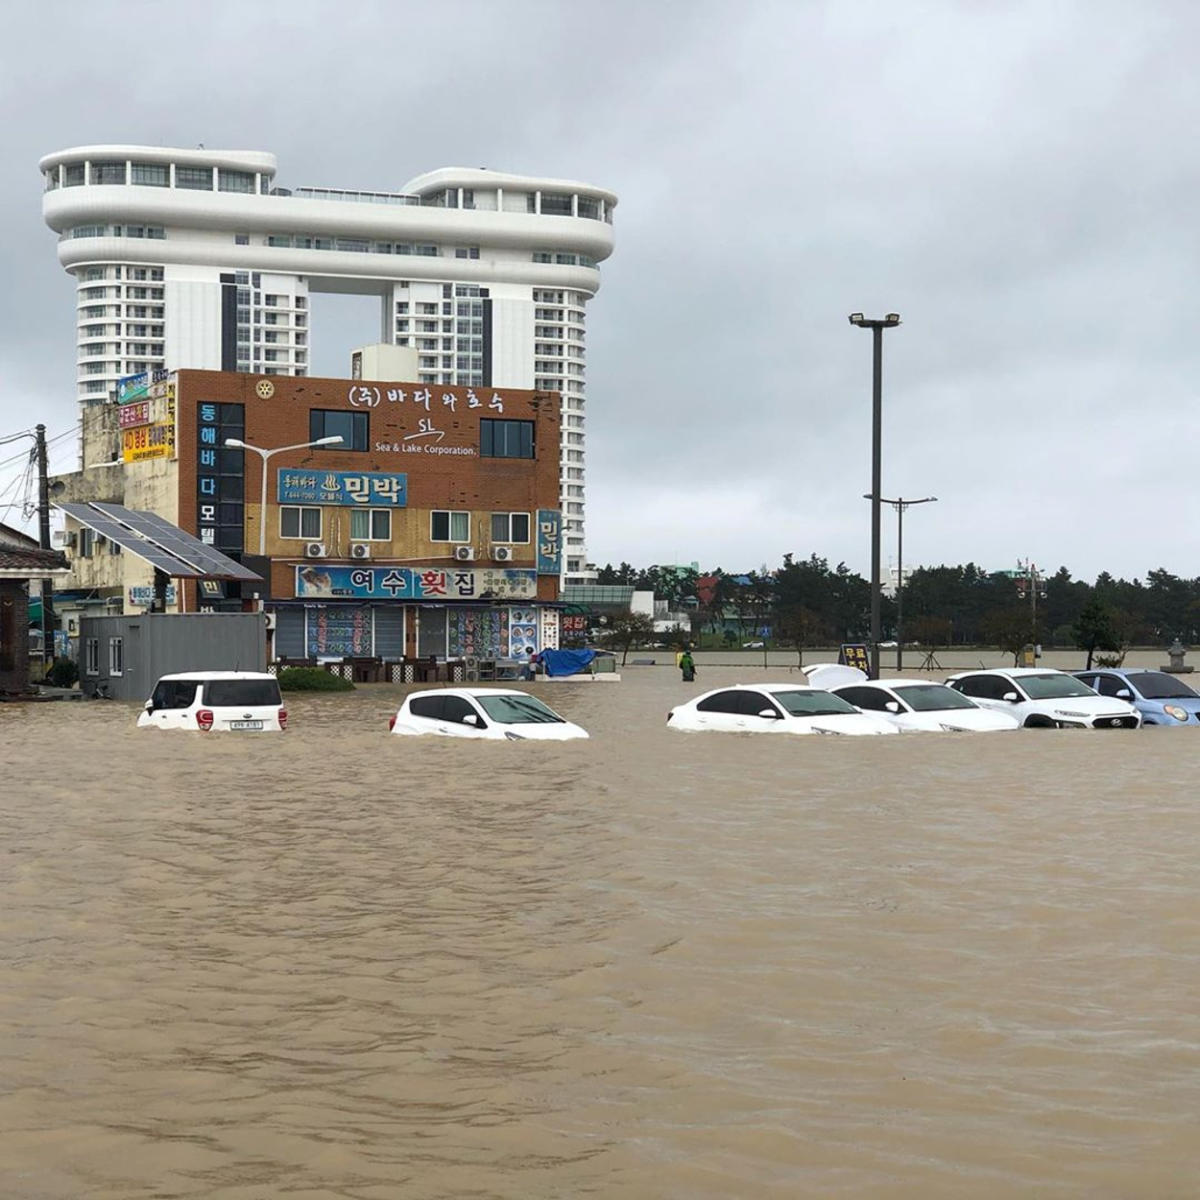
773,708
495,713
220,701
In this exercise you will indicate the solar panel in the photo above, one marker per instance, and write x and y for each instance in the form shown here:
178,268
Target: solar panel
182,545
158,557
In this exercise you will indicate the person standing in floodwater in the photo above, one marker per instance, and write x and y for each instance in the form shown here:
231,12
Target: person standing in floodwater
688,666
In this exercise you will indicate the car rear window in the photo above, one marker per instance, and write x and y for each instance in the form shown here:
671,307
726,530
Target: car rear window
241,693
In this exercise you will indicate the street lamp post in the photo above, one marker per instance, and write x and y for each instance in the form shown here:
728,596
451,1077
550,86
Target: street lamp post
900,504
238,444
876,326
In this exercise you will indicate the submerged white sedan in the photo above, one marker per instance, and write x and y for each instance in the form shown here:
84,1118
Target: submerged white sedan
495,713
773,708
918,704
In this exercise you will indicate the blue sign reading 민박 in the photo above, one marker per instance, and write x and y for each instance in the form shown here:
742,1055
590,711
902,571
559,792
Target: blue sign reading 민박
342,487
319,582
549,541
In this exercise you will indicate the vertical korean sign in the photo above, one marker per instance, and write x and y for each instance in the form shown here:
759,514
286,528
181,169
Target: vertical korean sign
549,541
220,482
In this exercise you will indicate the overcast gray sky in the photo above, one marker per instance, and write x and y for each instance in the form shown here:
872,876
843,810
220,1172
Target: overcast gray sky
1017,180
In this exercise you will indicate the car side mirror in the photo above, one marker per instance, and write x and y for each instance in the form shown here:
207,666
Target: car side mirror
769,713
149,706
1124,694
470,719
893,706
1011,697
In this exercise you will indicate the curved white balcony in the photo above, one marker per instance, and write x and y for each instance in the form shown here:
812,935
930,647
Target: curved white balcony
238,212
317,264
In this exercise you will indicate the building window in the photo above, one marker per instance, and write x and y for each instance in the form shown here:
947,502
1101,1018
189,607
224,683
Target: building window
73,175
87,539
91,656
506,439
449,526
108,172
116,656
196,179
351,427
235,181
241,239
556,204
150,174
510,527
299,522
371,525
589,207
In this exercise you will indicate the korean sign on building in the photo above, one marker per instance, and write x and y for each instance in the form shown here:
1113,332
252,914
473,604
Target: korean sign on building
549,541
342,487
137,413
142,595
147,441
320,582
220,474
131,388
148,426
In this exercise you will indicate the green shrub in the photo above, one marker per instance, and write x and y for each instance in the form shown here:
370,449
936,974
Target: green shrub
312,679
63,672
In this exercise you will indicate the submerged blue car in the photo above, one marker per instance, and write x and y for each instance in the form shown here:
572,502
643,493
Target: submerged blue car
1162,699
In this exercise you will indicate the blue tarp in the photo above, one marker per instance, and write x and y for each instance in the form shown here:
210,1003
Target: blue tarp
566,662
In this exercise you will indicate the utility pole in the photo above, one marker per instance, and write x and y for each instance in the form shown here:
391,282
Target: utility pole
43,506
1030,577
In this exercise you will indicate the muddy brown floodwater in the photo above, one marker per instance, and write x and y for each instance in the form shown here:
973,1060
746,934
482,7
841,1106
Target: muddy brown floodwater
335,963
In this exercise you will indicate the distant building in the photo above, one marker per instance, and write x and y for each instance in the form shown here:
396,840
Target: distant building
431,528
196,258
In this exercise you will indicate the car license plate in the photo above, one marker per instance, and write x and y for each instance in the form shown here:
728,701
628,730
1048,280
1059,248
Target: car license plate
245,724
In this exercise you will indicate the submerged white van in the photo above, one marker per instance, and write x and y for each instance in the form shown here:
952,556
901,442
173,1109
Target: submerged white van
227,701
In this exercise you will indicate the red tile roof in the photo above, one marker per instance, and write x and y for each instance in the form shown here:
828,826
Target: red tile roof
12,559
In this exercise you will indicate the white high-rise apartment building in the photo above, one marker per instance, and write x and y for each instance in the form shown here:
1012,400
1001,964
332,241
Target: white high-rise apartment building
195,258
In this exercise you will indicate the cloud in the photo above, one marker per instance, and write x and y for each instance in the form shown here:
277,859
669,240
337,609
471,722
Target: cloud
1017,180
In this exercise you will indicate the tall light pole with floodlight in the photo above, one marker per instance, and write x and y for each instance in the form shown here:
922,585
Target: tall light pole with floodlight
876,326
900,504
238,444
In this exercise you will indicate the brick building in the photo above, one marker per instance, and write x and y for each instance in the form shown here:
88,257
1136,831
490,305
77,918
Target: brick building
431,528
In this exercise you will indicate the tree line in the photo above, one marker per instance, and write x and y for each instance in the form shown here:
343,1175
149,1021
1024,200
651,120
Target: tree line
806,602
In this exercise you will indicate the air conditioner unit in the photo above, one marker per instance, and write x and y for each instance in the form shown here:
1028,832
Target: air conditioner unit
315,550
502,553
60,539
270,618
464,553
360,550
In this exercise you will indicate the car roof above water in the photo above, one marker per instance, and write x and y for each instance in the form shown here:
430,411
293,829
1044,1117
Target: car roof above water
198,675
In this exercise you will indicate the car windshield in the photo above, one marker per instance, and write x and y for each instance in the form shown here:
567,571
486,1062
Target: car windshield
1053,686
241,693
812,704
1155,685
516,710
931,697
